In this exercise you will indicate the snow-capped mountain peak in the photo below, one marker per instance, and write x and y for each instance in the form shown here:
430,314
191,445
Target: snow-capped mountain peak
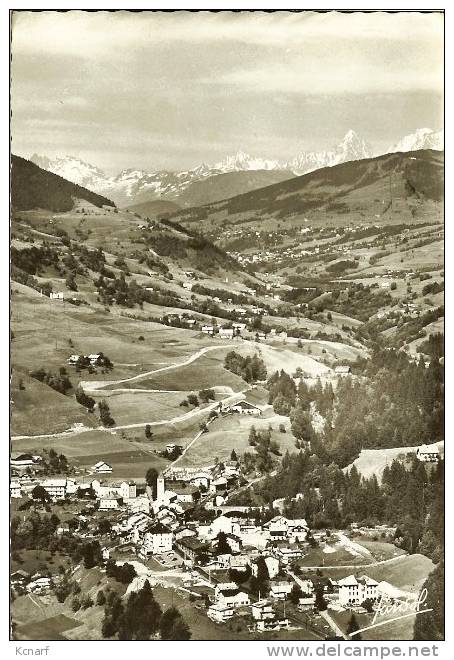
135,184
73,169
422,138
353,147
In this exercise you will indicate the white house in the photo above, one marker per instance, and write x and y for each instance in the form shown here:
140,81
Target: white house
128,490
188,494
109,502
245,408
201,479
265,625
343,370
262,610
58,295
24,461
208,329
281,528
226,333
220,613
101,467
288,554
183,532
239,562
157,540
56,488
218,485
39,584
138,504
306,603
354,591
428,453
15,489
230,595
234,542
280,590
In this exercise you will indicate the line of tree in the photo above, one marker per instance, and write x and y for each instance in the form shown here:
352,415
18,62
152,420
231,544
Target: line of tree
249,368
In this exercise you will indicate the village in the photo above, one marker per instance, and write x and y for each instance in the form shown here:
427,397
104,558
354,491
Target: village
236,562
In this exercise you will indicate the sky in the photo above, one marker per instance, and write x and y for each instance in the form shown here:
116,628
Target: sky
170,90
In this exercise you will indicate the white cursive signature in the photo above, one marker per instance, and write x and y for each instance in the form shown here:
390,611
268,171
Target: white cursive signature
402,608
388,606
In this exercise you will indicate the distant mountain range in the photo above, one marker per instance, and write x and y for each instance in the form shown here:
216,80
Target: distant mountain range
232,176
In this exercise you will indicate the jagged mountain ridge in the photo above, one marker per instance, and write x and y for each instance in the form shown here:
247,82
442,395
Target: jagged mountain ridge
422,138
187,187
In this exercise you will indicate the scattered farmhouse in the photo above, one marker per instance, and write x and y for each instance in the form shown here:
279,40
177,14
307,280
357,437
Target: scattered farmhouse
102,468
243,407
428,453
343,370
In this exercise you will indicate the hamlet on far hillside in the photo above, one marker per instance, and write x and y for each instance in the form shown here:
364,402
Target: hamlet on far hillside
227,326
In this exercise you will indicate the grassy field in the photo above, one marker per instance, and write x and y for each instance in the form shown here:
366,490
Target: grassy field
389,631
231,432
279,356
133,407
42,330
47,629
38,409
34,561
394,630
127,457
208,371
379,549
408,573
341,556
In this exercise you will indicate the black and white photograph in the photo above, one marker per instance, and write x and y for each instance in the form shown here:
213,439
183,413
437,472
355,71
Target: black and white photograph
227,300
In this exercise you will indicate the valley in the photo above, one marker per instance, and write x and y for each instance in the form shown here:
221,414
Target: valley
234,366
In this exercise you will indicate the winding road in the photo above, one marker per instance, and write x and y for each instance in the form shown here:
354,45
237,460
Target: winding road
91,386
96,386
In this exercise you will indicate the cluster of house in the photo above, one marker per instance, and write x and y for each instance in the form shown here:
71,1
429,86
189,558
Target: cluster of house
229,599
37,583
350,592
94,359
